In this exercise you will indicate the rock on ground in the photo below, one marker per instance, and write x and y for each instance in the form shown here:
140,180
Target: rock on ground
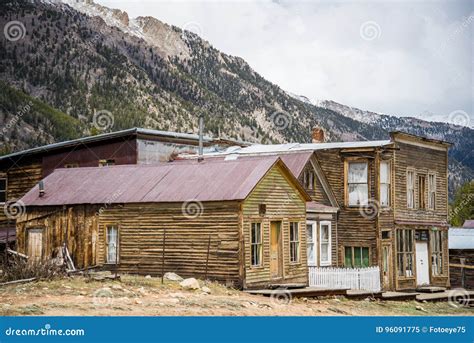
190,283
173,277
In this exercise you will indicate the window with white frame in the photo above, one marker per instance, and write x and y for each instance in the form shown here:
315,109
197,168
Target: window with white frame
256,244
325,243
112,244
385,183
357,183
3,190
410,189
294,242
431,191
311,242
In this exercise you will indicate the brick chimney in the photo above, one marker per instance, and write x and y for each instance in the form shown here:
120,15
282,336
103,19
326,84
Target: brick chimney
317,135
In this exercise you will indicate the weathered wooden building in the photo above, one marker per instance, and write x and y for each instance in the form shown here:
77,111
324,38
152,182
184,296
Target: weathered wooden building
21,171
391,198
237,221
461,257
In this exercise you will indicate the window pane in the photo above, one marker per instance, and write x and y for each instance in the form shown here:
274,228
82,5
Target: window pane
357,257
324,232
3,197
365,257
348,257
325,252
358,194
384,172
357,172
384,195
309,233
3,184
311,255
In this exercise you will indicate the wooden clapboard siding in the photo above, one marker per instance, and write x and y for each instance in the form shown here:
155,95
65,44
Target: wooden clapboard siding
283,203
353,229
318,194
461,268
421,160
141,229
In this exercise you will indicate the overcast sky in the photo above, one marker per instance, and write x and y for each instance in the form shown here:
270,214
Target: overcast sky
398,57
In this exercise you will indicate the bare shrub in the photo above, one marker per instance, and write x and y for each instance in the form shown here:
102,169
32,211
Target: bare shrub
18,268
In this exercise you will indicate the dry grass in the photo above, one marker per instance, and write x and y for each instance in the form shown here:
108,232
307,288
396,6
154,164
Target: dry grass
19,269
136,295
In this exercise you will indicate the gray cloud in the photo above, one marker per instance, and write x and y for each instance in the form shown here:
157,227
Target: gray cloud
419,63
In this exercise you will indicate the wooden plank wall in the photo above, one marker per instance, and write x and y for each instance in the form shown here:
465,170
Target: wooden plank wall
456,271
353,228
77,226
283,203
141,228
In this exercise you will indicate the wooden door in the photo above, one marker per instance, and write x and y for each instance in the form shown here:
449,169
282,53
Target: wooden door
275,250
387,271
422,267
35,244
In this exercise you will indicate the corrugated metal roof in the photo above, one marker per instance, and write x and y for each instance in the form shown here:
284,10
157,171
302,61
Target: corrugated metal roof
461,238
209,180
293,147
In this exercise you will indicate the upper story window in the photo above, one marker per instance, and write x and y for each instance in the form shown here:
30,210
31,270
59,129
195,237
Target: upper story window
357,183
431,191
3,190
410,189
385,182
309,179
105,163
421,192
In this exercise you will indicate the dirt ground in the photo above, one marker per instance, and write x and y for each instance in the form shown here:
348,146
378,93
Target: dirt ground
140,296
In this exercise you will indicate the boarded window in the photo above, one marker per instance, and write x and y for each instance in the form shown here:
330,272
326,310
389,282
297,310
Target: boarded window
294,242
311,242
421,192
256,244
356,257
437,252
357,183
35,245
410,189
309,179
112,244
3,190
431,191
385,183
405,250
325,243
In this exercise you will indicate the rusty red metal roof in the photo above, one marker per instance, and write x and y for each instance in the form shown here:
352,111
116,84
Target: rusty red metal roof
209,180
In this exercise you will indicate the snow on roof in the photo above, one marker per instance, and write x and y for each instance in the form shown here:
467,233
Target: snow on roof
291,147
461,238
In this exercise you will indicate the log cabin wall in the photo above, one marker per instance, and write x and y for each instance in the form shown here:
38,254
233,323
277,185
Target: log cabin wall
283,203
190,243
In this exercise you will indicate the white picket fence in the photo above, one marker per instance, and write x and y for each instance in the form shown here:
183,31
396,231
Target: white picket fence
352,278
